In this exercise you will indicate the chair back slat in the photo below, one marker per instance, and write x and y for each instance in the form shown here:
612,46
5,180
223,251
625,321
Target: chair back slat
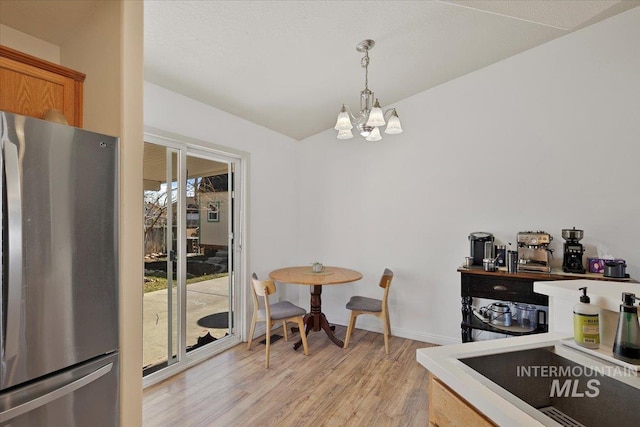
387,276
264,287
385,282
253,292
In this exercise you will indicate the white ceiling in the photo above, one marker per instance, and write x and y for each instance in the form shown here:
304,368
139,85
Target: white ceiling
290,65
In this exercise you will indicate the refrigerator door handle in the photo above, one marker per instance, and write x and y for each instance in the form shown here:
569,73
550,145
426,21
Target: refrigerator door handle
55,394
14,221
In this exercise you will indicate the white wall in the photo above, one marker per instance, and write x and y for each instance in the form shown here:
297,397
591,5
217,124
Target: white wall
272,196
28,44
548,139
131,153
98,54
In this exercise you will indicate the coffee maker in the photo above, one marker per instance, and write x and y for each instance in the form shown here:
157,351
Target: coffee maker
481,246
573,251
533,251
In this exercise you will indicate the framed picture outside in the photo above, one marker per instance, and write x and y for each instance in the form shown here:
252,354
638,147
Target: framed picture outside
213,212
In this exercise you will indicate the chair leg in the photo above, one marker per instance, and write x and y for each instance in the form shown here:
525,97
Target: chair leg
352,324
284,330
303,335
252,331
388,322
387,331
268,342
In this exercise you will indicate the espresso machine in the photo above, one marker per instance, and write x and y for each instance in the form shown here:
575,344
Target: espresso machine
573,251
534,252
481,246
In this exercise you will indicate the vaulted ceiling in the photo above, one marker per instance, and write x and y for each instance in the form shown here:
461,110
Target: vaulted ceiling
290,65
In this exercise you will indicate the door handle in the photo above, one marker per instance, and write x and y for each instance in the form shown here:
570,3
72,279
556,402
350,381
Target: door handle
14,222
55,394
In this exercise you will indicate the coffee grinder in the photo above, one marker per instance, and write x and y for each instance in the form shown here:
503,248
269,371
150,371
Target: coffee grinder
481,246
573,251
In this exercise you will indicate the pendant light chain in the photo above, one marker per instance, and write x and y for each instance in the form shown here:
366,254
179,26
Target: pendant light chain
364,63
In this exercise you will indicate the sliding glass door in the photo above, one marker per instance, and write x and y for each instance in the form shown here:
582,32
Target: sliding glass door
160,321
191,220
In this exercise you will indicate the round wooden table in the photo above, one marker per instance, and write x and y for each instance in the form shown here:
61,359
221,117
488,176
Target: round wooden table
316,320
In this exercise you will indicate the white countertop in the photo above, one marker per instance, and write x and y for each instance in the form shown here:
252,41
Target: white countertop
443,363
605,294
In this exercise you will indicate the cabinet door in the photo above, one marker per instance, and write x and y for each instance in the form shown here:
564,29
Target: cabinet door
31,87
447,409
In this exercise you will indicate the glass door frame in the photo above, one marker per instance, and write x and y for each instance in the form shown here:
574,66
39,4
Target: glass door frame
171,251
236,161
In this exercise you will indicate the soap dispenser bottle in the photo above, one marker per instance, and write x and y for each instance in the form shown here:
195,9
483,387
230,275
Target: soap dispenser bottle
586,322
626,345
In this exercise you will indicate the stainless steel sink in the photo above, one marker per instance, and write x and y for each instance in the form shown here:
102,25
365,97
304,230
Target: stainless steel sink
560,386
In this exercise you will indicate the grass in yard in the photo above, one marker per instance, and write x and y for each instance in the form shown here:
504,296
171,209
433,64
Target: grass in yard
159,283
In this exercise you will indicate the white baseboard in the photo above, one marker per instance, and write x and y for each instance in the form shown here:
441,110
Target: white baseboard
408,333
398,332
424,337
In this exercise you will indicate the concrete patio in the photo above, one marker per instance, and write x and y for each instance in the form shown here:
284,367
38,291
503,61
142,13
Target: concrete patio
203,299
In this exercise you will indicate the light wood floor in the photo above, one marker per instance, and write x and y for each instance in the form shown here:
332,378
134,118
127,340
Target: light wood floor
358,386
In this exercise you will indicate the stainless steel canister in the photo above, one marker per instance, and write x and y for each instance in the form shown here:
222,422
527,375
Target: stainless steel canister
512,261
501,255
489,264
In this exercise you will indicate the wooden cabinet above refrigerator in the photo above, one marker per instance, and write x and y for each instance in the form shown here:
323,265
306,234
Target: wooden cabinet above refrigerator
31,86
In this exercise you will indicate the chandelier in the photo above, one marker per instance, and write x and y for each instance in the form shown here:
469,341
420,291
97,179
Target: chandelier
371,117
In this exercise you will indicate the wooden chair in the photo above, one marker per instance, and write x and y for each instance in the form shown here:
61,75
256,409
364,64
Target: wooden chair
282,311
379,308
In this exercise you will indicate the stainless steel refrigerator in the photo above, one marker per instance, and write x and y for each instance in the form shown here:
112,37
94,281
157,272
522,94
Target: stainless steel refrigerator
59,300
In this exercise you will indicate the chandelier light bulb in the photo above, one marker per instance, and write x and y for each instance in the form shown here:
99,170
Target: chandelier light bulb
343,122
393,126
345,134
364,130
376,117
374,135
